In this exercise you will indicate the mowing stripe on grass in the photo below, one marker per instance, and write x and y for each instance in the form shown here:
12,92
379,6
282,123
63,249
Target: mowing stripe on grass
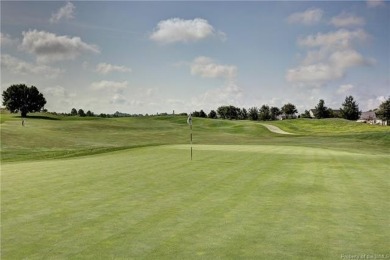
231,201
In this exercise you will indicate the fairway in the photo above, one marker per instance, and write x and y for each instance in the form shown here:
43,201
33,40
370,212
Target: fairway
231,201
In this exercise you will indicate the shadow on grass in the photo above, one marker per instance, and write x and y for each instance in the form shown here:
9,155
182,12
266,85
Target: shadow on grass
40,117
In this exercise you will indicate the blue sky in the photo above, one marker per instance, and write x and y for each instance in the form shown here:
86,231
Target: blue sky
154,57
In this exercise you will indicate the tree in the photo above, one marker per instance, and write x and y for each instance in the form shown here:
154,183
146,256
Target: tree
228,112
73,112
334,113
212,114
23,99
89,113
384,111
243,115
253,113
202,114
290,110
264,113
222,112
81,112
350,109
321,111
306,114
274,111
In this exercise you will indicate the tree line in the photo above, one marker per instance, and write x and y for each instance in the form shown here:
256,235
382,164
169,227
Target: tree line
22,99
349,110
265,112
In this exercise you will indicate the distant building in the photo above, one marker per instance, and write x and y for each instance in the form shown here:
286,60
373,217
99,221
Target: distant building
312,113
284,116
370,117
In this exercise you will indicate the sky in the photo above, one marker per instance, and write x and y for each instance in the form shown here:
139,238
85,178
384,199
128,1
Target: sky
158,57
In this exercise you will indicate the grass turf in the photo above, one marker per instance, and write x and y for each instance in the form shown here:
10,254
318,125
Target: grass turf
247,194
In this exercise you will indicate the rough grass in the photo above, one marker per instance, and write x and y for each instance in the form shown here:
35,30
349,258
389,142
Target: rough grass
125,188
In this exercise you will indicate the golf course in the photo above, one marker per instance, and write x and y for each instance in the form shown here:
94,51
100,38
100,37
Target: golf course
126,188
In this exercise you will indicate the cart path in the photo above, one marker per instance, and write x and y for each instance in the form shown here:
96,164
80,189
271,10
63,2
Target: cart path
276,129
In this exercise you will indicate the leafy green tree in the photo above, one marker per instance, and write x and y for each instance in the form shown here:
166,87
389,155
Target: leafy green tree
306,114
321,111
350,109
274,112
81,112
212,114
228,112
334,113
222,112
23,99
290,110
243,114
264,113
89,113
383,111
202,114
253,113
73,112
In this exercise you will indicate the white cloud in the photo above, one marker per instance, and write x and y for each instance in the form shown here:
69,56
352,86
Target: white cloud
315,74
308,17
344,89
49,47
59,99
118,99
229,93
375,3
5,39
115,89
207,68
347,58
332,57
179,30
339,39
17,66
65,12
105,68
115,86
371,102
56,91
347,20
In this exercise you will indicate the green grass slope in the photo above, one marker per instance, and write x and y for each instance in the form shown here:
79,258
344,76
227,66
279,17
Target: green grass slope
231,201
125,188
46,136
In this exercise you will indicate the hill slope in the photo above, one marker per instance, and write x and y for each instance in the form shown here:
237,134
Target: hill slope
46,136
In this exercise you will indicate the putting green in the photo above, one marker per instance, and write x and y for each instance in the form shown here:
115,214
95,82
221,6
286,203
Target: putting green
231,201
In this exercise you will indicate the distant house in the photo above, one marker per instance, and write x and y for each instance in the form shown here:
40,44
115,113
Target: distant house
284,116
370,117
312,113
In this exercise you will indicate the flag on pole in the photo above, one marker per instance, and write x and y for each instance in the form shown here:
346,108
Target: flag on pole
189,120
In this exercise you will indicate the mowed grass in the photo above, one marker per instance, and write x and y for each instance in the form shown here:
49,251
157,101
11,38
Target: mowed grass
247,193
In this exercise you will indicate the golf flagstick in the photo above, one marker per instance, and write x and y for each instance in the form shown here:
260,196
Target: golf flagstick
189,121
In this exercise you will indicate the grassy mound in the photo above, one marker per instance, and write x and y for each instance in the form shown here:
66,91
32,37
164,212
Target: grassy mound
122,188
47,136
